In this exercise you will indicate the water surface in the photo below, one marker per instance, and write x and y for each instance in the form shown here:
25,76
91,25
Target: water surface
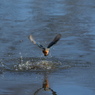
69,68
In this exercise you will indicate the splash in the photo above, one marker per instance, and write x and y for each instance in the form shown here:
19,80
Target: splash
38,65
30,64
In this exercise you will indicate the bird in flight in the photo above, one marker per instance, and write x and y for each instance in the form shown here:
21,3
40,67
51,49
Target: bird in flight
46,50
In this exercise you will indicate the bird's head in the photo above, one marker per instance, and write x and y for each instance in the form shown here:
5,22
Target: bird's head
46,51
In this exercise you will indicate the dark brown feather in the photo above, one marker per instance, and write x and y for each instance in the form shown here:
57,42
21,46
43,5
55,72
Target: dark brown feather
55,40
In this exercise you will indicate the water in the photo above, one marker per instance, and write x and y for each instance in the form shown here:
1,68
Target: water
68,69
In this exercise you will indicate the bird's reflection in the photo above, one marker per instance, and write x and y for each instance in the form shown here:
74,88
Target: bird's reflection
45,86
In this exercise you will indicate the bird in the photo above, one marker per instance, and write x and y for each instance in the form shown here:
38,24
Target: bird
45,50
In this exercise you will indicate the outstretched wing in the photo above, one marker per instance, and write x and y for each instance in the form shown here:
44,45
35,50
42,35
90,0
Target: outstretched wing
40,46
32,39
34,42
54,40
